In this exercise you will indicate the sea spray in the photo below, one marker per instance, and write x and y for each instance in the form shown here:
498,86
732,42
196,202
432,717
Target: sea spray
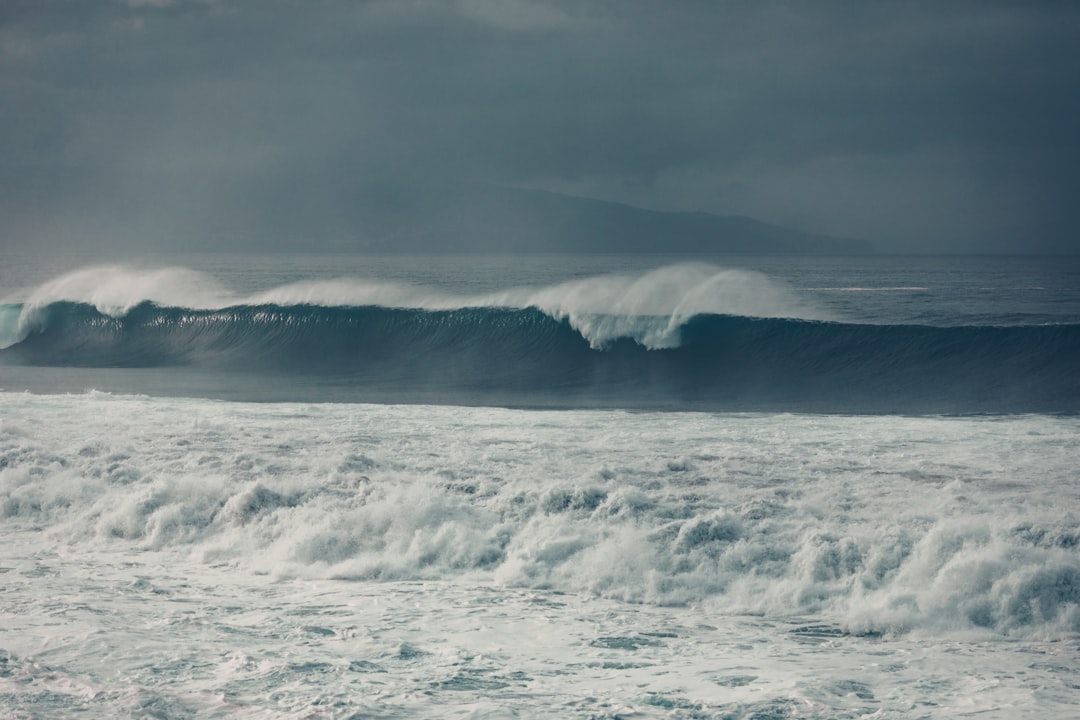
602,308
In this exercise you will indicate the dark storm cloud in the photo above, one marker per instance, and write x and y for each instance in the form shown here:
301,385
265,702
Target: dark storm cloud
922,126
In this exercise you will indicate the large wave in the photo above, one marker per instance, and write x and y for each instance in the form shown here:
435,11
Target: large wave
601,308
646,341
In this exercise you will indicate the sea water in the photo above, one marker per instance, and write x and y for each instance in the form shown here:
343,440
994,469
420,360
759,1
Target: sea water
313,486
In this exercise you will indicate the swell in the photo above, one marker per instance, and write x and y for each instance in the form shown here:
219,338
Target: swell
526,356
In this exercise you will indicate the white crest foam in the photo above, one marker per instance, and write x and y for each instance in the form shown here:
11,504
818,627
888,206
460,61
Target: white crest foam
648,307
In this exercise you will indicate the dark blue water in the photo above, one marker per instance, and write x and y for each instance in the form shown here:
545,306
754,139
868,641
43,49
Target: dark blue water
864,335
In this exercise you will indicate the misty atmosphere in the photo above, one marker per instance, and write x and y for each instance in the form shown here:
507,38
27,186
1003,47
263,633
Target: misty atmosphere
565,359
531,125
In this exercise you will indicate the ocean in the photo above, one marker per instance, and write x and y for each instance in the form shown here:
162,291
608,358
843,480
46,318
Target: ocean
332,486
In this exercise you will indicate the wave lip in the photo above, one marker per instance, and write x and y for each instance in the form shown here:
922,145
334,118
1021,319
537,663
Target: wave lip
527,354
602,308
116,289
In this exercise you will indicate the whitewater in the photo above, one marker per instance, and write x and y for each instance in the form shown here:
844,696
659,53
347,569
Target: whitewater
548,487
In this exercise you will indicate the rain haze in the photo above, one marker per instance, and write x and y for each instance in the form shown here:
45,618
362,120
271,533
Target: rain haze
540,359
171,124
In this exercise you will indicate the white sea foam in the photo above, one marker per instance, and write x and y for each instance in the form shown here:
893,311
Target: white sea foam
268,560
745,515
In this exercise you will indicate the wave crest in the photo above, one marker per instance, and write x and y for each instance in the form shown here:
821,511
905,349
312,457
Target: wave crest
476,354
647,307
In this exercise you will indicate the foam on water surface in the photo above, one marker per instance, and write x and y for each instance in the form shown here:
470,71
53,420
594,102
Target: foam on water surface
182,557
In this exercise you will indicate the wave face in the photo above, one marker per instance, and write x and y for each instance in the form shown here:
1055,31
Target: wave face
529,356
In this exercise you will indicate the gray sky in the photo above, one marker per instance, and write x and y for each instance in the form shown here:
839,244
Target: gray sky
921,126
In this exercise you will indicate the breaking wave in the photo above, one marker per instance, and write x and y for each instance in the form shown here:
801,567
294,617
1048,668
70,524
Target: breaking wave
674,292
645,342
881,524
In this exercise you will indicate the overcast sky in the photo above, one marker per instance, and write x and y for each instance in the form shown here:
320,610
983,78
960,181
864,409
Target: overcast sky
921,126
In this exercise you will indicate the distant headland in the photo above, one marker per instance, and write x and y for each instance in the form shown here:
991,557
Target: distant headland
504,219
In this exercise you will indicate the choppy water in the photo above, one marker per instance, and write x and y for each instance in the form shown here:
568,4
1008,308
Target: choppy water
174,556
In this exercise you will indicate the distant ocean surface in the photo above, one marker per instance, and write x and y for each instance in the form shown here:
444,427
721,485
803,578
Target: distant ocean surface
540,486
866,335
